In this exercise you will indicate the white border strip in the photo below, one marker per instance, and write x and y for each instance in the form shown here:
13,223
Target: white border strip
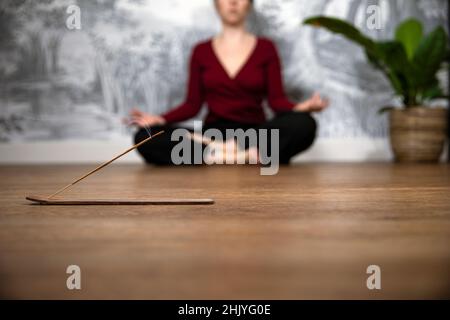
82,151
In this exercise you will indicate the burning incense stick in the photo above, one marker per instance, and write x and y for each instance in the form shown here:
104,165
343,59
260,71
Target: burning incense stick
105,164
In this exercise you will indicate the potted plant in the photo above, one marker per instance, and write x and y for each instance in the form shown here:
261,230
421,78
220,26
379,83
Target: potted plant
410,62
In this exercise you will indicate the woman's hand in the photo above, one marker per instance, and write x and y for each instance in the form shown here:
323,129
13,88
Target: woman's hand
313,104
142,119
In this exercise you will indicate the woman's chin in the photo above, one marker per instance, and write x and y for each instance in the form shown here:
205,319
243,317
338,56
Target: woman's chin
233,20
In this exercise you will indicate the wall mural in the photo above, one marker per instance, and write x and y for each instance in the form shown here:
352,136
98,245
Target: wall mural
57,83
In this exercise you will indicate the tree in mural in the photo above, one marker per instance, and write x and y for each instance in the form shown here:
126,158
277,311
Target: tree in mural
30,42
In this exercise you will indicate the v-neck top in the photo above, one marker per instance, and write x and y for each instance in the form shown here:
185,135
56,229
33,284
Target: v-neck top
237,98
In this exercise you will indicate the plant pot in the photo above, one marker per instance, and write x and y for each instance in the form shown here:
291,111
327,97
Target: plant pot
417,134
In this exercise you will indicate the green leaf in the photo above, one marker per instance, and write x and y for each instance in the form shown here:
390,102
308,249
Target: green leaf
384,109
432,93
343,28
393,54
395,65
432,90
379,54
409,33
431,53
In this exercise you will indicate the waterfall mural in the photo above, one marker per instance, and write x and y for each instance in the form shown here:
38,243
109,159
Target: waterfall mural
57,83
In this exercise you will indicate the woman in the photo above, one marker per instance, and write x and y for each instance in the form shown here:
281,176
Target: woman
233,72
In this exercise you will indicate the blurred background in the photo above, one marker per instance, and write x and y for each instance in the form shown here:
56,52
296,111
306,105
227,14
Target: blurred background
64,91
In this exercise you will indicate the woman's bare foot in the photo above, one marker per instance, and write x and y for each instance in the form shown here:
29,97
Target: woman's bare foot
227,152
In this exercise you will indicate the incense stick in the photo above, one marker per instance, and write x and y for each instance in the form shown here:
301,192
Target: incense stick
104,165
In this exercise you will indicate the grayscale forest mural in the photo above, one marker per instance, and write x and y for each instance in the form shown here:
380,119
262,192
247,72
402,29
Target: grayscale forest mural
57,83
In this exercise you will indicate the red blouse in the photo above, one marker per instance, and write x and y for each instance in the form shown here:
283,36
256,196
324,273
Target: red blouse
239,98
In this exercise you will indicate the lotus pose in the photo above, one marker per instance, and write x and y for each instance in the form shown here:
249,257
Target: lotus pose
233,72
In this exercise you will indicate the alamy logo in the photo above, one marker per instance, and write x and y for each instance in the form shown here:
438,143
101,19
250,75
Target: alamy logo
73,21
373,21
228,149
374,280
74,280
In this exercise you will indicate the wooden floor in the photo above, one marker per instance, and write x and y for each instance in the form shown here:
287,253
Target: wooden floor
309,232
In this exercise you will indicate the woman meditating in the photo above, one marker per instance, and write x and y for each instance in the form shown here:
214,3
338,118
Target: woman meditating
233,73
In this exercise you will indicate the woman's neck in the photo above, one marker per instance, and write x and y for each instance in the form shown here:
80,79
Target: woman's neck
232,33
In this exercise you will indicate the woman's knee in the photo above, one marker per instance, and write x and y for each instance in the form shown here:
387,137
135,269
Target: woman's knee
308,130
302,131
140,135
309,125
299,124
151,151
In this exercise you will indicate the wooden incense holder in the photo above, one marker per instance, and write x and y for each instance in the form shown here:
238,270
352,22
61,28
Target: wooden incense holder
107,202
68,202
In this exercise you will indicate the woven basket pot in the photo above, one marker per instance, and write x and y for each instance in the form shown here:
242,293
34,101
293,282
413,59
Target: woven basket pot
418,133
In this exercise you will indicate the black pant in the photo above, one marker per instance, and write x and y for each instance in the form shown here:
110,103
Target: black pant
297,131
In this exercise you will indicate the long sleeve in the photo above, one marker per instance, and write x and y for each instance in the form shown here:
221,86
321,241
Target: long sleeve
275,92
194,97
